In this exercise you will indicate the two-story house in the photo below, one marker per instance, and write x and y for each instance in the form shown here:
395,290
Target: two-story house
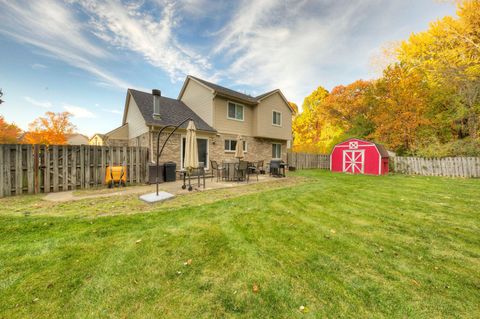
220,115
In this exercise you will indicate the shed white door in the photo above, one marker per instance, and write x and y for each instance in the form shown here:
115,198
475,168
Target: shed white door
353,161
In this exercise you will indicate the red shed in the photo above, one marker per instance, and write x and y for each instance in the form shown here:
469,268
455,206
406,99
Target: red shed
359,157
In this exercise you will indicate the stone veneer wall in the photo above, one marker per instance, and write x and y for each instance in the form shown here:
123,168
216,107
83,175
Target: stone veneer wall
117,142
257,148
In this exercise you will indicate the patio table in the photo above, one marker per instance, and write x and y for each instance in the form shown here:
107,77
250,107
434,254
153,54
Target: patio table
196,172
229,170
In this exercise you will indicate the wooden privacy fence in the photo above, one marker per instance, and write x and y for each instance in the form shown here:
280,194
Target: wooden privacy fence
303,160
42,169
448,166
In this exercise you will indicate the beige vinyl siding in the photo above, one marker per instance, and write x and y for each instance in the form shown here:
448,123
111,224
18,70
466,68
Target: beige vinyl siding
264,126
119,133
77,139
96,140
200,100
225,125
136,122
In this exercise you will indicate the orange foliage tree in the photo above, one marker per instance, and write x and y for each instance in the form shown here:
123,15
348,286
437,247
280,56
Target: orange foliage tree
8,132
50,130
348,108
401,110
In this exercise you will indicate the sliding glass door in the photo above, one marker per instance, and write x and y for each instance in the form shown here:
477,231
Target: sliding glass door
202,151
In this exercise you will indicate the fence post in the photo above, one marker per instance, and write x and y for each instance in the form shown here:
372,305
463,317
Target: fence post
36,168
30,170
2,171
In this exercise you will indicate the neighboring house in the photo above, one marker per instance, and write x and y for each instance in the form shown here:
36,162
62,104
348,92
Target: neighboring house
97,140
77,139
116,137
220,115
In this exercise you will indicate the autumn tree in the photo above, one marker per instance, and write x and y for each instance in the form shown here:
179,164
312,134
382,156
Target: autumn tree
448,55
9,133
401,100
294,108
306,126
53,128
348,108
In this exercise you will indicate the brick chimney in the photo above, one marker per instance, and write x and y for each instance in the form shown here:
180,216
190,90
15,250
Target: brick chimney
156,101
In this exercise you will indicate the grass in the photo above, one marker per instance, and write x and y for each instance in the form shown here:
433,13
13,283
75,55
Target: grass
338,245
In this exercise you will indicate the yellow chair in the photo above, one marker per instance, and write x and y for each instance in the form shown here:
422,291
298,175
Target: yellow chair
116,175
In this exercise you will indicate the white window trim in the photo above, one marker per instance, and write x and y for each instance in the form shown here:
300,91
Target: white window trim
281,116
207,164
233,151
243,112
276,158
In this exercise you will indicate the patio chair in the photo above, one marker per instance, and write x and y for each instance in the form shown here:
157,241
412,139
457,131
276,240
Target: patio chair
255,168
241,170
219,170
260,167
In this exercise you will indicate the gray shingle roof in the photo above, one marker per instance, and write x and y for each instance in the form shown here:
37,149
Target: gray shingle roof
382,150
227,92
265,94
172,111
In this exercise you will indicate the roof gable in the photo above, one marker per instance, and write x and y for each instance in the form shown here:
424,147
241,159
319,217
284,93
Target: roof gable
172,111
222,91
276,91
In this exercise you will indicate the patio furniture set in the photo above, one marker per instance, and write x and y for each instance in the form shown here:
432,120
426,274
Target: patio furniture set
241,170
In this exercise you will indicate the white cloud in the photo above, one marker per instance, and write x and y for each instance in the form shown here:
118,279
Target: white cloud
50,25
44,104
291,52
113,111
133,28
38,66
79,112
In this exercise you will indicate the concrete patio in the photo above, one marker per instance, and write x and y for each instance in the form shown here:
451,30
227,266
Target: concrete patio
174,188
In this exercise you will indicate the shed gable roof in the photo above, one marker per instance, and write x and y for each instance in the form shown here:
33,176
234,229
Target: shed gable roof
381,149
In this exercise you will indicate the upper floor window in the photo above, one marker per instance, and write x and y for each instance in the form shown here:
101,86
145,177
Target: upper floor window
235,111
277,118
230,145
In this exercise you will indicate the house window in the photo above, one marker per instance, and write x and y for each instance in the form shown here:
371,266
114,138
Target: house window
235,111
276,150
276,118
230,145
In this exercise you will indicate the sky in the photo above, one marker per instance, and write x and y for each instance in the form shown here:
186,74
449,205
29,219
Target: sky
81,56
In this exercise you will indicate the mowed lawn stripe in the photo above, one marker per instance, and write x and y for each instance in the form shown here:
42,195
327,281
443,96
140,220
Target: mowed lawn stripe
340,245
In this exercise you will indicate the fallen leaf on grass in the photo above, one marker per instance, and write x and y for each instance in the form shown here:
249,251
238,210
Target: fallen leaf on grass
255,288
303,309
138,241
187,263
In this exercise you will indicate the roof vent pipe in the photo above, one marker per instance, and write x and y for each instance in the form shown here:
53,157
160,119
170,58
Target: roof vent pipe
156,101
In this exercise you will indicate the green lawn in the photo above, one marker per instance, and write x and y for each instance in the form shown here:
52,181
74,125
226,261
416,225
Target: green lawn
338,245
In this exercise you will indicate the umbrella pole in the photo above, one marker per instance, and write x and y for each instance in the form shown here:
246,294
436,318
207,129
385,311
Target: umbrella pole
159,151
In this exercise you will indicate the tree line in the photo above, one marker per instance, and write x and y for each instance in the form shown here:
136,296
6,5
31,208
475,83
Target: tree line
426,103
51,129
